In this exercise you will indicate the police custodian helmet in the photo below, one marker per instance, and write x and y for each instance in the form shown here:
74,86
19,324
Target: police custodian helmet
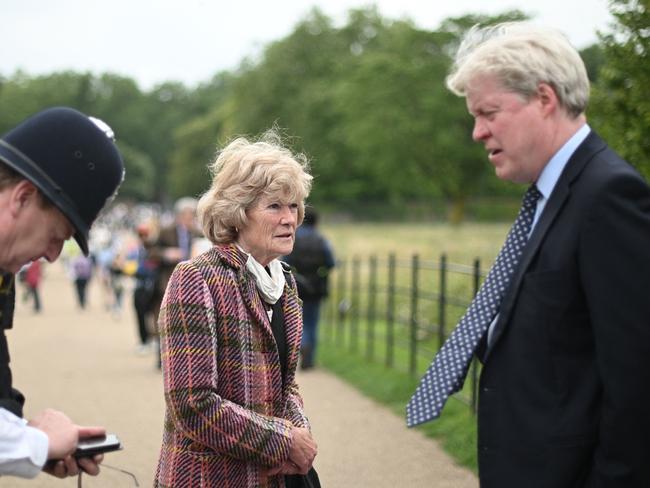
71,158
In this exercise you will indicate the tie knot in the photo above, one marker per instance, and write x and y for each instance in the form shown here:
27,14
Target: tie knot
532,195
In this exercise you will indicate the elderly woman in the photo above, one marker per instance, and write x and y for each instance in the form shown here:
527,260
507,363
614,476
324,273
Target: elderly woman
230,327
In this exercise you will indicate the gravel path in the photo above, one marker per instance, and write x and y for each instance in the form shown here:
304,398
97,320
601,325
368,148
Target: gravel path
84,363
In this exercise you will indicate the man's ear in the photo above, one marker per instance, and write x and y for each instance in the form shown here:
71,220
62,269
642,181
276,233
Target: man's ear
22,194
547,97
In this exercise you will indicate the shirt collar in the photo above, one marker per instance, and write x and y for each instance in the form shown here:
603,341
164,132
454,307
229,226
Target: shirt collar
553,169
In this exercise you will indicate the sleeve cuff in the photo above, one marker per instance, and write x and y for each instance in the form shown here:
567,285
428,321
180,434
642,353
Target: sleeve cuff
23,449
39,444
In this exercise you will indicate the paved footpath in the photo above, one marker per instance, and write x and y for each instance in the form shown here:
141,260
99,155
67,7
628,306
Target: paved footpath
84,363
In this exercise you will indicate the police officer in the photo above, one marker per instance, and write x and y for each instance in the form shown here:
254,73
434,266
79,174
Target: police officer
58,169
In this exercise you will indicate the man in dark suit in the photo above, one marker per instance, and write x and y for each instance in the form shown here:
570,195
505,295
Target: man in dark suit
566,359
174,244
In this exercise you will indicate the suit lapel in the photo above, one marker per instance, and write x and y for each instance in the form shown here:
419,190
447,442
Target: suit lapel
562,191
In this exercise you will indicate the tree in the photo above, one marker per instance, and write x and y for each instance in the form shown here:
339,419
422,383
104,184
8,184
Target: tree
393,103
620,107
366,102
22,95
195,144
139,181
594,59
294,85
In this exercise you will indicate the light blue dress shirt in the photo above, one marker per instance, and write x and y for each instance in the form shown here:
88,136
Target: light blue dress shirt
547,181
552,171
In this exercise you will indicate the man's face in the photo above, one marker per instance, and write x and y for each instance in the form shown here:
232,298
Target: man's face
511,128
186,218
38,232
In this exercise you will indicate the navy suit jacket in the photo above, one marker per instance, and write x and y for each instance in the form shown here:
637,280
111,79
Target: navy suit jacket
563,398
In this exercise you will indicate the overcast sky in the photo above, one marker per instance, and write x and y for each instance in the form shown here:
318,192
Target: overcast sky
190,40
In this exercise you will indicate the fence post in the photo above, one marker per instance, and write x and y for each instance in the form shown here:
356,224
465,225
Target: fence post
477,283
442,300
372,302
354,305
330,309
413,320
325,321
341,306
390,312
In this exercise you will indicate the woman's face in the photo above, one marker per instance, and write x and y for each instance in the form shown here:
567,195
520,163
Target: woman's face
271,229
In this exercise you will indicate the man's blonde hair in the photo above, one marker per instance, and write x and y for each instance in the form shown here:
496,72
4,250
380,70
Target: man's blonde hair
521,56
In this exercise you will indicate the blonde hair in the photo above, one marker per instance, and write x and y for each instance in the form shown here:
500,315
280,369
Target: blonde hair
521,56
242,173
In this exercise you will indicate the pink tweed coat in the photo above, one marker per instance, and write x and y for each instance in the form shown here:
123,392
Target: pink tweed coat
228,415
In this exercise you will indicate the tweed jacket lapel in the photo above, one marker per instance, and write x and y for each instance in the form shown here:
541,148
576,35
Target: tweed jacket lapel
562,191
291,304
292,309
237,260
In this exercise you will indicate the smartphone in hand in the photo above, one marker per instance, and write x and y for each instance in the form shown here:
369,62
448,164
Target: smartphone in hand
97,445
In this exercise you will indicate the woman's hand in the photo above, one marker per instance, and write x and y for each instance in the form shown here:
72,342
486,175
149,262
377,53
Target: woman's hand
285,468
303,450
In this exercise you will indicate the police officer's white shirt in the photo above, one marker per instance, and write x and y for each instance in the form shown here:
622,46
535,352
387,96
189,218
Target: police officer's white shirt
23,449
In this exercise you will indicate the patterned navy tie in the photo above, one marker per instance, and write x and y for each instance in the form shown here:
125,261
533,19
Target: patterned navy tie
447,372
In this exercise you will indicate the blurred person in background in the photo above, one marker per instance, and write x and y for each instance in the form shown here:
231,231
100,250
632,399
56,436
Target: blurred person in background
145,276
108,256
173,245
102,247
312,260
81,271
57,171
33,276
230,329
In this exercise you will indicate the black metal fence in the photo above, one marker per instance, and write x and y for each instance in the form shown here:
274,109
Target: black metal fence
400,312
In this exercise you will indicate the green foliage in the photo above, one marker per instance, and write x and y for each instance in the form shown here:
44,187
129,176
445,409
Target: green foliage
393,106
594,59
620,105
366,101
21,95
144,123
193,152
294,85
139,178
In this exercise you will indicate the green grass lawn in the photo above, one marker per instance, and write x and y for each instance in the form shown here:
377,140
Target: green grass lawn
462,243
